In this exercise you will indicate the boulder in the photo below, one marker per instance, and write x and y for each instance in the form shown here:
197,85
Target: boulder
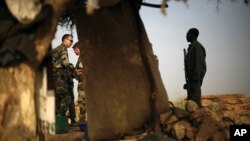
180,113
191,106
164,116
218,136
179,129
190,132
205,131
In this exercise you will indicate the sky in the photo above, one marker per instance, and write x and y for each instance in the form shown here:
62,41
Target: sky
224,33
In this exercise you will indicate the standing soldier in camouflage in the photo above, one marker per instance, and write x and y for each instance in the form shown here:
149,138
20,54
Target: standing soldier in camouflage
63,78
80,77
195,66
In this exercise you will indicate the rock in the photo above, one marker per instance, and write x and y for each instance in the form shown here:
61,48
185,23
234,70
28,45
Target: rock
215,113
180,113
230,115
225,123
197,122
218,136
167,128
190,132
197,116
245,119
205,131
216,106
206,102
191,106
227,134
212,121
164,116
171,119
179,128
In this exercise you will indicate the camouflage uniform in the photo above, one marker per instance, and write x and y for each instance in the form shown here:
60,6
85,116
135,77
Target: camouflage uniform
81,93
63,81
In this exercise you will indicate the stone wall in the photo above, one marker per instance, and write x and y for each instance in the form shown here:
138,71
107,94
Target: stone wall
211,122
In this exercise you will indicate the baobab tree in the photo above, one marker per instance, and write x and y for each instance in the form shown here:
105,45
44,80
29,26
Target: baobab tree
120,70
124,89
121,74
18,114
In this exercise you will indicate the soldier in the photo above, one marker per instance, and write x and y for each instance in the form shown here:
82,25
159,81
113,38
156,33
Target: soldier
80,77
195,66
64,78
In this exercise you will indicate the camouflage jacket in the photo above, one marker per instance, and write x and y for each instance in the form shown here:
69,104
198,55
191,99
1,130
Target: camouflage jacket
79,66
60,57
62,69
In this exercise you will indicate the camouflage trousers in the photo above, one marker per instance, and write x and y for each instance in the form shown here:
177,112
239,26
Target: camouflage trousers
81,102
62,104
72,112
64,93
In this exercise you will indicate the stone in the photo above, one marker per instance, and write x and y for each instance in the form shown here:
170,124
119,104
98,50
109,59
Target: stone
178,130
171,119
205,131
164,116
215,113
180,113
218,136
245,119
191,106
190,132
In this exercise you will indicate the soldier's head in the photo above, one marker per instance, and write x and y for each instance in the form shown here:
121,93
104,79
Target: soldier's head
76,48
67,40
192,35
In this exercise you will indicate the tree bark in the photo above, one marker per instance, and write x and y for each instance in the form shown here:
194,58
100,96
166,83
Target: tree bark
118,85
17,95
17,110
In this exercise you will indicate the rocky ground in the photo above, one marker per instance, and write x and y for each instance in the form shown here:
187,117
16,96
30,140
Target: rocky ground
211,122
187,122
234,106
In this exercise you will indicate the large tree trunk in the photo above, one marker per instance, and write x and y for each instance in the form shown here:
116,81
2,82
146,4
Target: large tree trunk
17,95
17,110
121,72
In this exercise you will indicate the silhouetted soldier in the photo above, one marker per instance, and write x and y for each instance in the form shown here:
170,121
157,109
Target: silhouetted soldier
195,66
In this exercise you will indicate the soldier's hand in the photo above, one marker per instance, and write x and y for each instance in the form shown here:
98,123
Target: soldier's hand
70,66
78,72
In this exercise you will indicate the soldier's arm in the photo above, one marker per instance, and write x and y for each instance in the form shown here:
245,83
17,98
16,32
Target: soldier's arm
198,62
65,59
79,71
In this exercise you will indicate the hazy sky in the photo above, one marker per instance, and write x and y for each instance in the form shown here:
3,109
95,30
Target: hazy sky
225,35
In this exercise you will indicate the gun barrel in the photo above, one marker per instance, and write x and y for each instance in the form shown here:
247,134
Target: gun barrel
185,63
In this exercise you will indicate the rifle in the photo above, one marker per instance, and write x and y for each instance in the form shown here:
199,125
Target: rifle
185,64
